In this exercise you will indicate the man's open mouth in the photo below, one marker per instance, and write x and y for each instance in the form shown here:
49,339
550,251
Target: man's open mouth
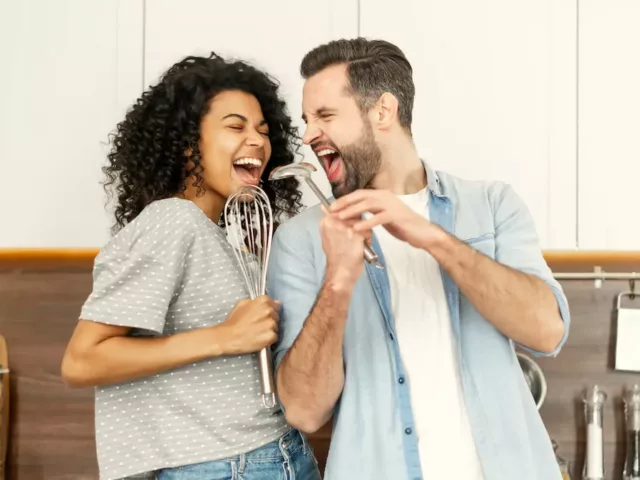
331,161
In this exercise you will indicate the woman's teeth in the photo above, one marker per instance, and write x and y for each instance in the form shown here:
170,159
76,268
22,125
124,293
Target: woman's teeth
249,162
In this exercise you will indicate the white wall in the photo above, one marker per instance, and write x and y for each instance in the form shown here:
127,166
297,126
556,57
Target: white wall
498,92
59,93
609,124
173,31
74,66
493,95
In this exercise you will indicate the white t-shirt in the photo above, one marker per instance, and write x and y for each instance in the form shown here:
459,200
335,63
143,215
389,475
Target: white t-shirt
428,350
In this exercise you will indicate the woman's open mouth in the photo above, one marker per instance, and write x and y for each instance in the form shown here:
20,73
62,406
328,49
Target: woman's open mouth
248,170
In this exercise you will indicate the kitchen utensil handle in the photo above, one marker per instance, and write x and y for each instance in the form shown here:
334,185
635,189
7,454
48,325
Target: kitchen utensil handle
369,255
266,378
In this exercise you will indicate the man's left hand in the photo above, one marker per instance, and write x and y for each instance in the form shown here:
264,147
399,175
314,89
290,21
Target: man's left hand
388,211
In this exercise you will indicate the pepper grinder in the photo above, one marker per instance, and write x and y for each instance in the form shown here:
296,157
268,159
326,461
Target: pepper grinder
631,469
593,400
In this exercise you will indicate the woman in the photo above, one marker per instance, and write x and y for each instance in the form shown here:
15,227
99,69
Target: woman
167,335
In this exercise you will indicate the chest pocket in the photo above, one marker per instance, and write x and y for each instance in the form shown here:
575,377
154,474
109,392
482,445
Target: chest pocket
485,244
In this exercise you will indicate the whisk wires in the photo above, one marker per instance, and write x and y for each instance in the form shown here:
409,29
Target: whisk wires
249,225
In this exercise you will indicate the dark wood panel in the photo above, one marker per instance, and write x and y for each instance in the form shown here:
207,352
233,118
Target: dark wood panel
587,359
52,433
52,426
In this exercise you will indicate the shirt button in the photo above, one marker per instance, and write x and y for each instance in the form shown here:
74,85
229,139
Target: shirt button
391,336
401,380
407,431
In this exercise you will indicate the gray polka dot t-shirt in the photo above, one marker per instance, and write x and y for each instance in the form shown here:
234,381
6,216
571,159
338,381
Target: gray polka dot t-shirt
171,270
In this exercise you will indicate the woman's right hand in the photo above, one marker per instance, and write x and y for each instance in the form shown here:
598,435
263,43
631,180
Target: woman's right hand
103,354
250,326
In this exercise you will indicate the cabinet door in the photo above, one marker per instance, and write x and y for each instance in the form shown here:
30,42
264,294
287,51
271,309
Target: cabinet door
495,95
273,35
609,124
68,71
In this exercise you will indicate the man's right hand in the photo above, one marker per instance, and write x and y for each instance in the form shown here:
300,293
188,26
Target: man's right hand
344,250
251,326
310,377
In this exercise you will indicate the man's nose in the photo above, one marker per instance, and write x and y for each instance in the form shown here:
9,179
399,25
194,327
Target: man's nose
311,133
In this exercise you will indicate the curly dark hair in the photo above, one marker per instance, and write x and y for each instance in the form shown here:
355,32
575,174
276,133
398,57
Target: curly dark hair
147,161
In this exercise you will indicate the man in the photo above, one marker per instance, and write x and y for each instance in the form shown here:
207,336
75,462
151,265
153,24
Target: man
415,362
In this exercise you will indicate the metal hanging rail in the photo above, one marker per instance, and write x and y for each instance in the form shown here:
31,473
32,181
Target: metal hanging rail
599,276
596,276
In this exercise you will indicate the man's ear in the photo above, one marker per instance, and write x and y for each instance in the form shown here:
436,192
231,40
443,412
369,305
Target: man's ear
385,111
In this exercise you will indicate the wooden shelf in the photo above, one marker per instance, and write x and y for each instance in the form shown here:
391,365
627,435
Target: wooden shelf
564,259
583,261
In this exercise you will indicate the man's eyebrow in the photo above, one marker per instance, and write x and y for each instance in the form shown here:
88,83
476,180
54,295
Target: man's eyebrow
325,110
319,112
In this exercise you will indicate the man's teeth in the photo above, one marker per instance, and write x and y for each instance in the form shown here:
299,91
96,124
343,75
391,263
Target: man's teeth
254,162
326,151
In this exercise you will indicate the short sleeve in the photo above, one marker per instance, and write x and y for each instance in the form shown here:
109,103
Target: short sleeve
291,279
518,247
137,275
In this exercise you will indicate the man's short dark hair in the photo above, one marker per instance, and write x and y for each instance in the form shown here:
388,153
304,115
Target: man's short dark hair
373,68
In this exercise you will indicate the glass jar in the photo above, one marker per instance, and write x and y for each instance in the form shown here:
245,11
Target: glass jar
593,400
631,470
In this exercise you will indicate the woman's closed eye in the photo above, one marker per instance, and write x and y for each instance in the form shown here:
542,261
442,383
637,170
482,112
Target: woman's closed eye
240,128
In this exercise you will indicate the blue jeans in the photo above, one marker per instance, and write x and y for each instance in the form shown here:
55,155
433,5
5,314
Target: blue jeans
288,458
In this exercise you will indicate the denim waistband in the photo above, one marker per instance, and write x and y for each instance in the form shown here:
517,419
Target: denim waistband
282,453
288,444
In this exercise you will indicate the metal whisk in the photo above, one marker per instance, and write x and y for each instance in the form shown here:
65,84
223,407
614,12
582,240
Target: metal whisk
249,224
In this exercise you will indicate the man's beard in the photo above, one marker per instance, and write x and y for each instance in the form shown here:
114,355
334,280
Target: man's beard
360,163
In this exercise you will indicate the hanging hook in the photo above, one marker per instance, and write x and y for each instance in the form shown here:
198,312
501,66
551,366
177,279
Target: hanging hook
632,288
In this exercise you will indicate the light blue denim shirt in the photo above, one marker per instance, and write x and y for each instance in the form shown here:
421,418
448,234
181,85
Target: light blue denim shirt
373,437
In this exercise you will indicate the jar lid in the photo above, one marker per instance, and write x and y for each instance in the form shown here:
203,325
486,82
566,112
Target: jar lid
632,395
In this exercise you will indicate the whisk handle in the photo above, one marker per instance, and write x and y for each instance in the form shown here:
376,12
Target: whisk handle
266,378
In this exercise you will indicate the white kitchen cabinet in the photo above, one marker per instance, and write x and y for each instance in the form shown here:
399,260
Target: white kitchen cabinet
495,95
273,35
542,94
609,124
69,68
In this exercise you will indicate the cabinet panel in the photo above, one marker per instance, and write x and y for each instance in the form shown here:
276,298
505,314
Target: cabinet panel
273,35
68,73
495,95
609,125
